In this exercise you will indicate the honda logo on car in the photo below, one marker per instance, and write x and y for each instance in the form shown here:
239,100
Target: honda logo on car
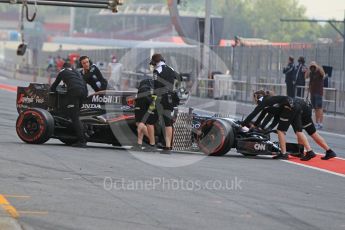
259,147
106,99
91,106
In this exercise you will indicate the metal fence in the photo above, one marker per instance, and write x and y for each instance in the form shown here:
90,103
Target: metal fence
250,68
265,64
242,91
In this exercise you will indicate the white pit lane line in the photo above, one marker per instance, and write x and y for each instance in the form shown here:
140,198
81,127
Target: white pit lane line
315,168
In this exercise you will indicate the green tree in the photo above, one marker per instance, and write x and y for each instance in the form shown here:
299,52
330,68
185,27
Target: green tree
236,17
327,31
265,21
261,18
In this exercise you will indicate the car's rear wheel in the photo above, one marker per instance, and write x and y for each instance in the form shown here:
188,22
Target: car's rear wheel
35,126
216,137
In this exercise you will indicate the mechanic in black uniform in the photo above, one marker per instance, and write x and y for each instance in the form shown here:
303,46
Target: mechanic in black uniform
164,79
145,115
92,75
302,121
76,92
295,120
264,100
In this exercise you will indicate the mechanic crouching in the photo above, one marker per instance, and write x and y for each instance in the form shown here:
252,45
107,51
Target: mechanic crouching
76,92
302,121
92,75
264,100
164,79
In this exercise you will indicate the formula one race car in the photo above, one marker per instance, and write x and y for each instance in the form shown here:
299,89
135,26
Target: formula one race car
108,117
215,136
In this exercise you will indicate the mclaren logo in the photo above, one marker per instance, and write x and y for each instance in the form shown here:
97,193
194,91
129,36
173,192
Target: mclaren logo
106,99
259,147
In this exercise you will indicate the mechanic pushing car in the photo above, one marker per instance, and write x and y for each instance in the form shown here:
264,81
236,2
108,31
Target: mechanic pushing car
145,115
303,121
92,75
164,79
76,92
263,100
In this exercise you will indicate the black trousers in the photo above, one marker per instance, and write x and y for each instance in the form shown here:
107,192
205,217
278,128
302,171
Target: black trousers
73,111
290,89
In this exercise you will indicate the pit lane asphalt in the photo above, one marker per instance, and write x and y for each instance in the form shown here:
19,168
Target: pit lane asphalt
56,187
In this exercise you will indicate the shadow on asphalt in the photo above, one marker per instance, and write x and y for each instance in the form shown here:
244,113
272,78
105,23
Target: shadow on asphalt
109,147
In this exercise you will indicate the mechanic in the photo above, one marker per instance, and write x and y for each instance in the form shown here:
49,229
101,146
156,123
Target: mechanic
76,92
305,122
145,115
92,75
164,79
264,100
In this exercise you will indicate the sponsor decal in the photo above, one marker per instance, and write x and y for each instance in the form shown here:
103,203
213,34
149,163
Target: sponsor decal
39,100
91,106
260,147
196,125
20,99
30,99
125,107
106,99
121,118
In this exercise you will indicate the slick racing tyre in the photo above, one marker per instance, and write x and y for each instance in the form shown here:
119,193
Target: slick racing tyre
216,137
35,126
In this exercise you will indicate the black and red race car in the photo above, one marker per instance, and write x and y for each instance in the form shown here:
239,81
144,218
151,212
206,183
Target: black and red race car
108,117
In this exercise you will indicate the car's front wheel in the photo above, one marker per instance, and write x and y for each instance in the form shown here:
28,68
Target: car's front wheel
216,137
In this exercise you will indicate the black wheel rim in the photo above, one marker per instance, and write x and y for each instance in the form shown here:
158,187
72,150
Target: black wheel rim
31,126
211,140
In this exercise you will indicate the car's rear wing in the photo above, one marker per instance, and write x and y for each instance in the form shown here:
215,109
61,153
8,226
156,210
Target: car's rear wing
33,96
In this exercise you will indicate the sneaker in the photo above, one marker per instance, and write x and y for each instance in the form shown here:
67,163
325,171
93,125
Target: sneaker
137,147
328,155
166,150
309,155
281,156
299,155
79,145
150,148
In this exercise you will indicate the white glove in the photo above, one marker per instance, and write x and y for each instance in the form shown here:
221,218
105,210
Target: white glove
244,129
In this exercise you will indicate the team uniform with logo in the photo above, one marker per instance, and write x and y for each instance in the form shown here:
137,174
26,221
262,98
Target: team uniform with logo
94,78
76,92
301,117
164,78
267,101
145,110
